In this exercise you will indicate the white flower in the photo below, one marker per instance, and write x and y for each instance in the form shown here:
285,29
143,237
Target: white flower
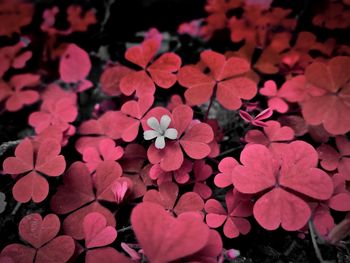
160,131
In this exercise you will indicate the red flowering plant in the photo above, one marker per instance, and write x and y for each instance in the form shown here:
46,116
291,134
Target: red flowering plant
160,72
109,186
332,159
332,106
258,119
14,56
275,101
75,66
233,219
32,161
226,81
226,140
183,135
15,94
273,136
97,234
276,174
40,233
15,14
167,196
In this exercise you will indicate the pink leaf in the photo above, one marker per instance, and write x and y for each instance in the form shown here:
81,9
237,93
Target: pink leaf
48,160
226,167
258,172
269,89
162,70
137,81
106,255
21,60
196,139
31,186
189,202
138,108
166,196
75,64
19,253
200,87
107,172
164,238
23,162
265,114
276,133
230,229
75,191
110,79
96,231
216,214
182,116
38,231
59,250
340,202
245,116
210,251
222,68
73,224
298,172
142,54
279,207
170,158
231,91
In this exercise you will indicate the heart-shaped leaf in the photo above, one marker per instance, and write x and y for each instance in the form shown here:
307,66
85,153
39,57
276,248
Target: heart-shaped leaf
279,207
75,64
48,160
19,253
195,141
106,173
165,238
276,133
23,162
107,255
31,186
170,158
96,231
222,68
76,190
37,231
142,54
59,250
73,224
138,108
162,70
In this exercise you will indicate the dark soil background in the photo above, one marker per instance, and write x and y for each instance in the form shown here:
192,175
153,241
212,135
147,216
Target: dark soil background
127,17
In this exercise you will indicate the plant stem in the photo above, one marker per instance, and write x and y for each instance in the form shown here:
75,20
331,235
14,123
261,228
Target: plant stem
108,6
228,151
290,248
209,106
212,160
124,229
314,242
6,145
14,211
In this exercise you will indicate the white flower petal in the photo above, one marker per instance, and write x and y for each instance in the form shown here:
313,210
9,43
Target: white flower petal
150,134
154,124
164,122
171,133
160,142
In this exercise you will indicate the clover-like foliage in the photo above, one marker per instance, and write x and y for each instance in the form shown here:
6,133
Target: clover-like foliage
279,176
45,246
34,161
